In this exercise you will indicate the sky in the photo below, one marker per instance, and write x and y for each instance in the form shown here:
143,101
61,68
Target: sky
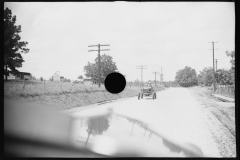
170,35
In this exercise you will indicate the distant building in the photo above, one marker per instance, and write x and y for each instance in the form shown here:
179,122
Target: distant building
87,80
23,76
56,77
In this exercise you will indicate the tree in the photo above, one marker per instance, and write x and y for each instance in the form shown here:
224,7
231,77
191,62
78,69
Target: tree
80,77
66,80
206,76
107,66
186,77
232,55
175,84
91,71
224,77
232,61
200,79
13,47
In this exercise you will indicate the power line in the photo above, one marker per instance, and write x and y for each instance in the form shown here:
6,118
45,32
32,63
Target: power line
141,67
99,45
214,87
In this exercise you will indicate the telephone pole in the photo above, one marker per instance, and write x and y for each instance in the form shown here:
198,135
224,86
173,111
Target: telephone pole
216,70
99,70
214,87
141,67
155,77
216,63
161,76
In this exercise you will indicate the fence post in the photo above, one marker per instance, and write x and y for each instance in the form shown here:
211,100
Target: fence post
24,84
61,85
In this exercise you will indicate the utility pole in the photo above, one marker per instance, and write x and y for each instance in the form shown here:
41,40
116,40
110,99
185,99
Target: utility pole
141,67
216,63
155,77
161,76
99,70
214,87
216,69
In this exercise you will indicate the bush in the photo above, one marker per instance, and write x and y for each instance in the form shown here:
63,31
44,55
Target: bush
186,77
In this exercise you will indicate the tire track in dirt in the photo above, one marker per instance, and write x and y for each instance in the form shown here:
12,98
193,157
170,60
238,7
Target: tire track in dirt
220,121
221,135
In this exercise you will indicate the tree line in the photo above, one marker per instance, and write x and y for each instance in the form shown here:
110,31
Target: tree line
188,77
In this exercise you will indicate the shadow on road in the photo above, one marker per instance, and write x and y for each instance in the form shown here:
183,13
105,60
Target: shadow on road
148,98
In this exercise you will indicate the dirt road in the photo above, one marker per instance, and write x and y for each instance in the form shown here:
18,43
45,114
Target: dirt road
182,114
220,119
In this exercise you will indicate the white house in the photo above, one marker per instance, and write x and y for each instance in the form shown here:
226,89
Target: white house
56,77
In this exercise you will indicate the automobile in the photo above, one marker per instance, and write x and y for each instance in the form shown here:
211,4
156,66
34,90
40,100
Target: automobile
147,91
36,132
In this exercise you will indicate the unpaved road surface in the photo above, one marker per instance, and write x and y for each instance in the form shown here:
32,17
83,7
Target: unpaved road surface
184,114
220,120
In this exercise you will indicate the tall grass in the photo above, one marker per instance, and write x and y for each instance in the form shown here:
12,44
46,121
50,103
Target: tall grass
37,88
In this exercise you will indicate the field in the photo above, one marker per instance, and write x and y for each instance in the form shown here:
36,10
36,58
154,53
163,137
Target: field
61,96
38,88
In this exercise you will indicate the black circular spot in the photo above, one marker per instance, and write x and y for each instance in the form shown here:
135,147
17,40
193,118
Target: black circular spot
115,82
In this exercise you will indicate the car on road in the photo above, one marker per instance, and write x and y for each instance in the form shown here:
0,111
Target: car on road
148,91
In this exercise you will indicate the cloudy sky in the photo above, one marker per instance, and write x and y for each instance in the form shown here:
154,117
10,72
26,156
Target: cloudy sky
170,35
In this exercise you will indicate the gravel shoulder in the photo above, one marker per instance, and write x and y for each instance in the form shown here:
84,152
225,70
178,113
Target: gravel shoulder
220,119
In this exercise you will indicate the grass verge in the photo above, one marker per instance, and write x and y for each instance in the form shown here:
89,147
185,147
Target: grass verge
63,96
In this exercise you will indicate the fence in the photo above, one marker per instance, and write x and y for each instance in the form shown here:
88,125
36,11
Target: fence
45,87
36,87
226,90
